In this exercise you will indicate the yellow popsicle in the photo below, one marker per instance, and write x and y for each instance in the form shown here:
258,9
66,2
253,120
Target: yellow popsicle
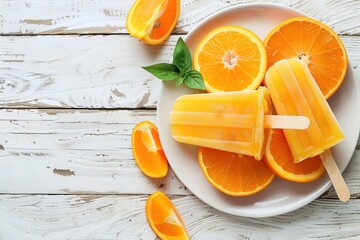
294,91
231,121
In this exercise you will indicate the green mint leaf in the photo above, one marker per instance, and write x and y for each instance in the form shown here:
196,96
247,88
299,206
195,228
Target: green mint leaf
164,71
182,56
194,79
180,70
179,81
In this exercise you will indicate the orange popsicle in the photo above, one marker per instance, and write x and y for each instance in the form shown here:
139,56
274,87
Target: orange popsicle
294,91
229,121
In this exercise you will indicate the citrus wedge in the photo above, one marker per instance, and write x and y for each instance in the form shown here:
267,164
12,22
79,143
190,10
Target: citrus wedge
152,21
231,58
147,150
164,219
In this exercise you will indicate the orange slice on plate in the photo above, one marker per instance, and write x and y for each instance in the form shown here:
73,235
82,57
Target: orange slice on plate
279,158
147,150
164,219
234,174
152,21
231,58
314,43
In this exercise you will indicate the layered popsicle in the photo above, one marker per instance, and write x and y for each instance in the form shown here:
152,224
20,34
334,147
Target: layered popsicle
230,121
294,91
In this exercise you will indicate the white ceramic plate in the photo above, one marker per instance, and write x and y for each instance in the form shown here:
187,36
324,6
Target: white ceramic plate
281,196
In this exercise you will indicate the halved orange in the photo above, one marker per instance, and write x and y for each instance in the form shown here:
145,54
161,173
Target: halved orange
234,174
231,58
152,21
147,150
314,43
164,219
279,158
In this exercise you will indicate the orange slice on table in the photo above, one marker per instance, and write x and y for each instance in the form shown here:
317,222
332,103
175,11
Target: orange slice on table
279,158
234,174
147,150
164,219
231,58
152,21
314,43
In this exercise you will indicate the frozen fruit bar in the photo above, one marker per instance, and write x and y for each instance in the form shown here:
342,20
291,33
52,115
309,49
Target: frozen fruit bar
294,91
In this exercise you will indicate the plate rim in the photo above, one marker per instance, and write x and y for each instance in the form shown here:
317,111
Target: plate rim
297,204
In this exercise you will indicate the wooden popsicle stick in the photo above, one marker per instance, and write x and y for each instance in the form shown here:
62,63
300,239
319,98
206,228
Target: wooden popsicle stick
286,122
335,175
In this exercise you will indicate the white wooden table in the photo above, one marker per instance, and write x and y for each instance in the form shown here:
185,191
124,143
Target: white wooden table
71,91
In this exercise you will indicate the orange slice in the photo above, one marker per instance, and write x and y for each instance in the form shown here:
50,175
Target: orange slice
152,21
279,158
234,174
231,58
164,219
314,43
147,150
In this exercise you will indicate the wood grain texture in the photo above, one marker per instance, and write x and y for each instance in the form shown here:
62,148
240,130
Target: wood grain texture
79,72
89,71
109,16
75,152
123,217
85,152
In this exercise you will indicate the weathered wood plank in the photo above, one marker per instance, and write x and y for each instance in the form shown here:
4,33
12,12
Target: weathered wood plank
89,71
109,16
123,217
86,151
79,72
74,152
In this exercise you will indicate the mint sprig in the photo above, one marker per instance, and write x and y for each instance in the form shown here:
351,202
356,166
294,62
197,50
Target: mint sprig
182,56
164,71
180,70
